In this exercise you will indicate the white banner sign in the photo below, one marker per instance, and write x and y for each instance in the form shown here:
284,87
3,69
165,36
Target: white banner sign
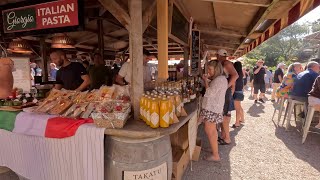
21,75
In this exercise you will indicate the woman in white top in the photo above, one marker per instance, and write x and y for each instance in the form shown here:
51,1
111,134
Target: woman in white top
212,105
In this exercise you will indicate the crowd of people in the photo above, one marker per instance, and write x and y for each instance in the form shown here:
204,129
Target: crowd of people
83,76
225,84
230,80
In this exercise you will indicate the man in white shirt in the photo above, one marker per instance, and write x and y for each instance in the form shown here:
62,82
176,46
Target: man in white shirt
6,78
125,73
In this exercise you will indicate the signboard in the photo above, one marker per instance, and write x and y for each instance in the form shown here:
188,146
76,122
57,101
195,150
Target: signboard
21,75
157,173
56,14
195,52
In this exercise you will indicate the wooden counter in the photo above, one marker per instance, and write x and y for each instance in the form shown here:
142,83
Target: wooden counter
137,129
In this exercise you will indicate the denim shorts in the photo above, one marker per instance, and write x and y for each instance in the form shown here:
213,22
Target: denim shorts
238,96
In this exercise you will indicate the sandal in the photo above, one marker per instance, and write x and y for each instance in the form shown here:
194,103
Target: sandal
222,142
234,126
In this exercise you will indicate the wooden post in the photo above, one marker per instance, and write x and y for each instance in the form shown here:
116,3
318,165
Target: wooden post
163,25
136,54
186,62
44,60
100,37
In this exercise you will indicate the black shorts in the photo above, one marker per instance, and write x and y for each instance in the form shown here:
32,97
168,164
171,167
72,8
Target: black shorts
261,87
245,81
227,102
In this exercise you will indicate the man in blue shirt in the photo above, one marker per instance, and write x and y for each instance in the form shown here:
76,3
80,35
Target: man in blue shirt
304,81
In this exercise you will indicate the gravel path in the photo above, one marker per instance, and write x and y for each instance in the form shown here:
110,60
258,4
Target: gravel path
261,150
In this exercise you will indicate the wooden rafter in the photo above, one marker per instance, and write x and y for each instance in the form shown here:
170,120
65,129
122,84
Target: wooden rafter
216,18
86,38
259,17
223,32
117,11
237,2
148,15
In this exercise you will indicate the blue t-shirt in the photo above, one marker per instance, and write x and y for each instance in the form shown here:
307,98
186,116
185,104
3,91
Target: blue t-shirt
303,83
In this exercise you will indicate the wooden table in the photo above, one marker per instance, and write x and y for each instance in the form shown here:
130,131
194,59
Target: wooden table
137,129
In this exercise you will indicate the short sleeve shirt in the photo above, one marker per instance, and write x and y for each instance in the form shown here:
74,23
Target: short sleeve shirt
259,77
70,76
126,72
278,73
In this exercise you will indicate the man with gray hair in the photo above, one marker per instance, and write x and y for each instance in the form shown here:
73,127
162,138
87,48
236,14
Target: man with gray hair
304,81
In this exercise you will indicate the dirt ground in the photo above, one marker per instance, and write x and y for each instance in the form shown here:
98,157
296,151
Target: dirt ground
261,150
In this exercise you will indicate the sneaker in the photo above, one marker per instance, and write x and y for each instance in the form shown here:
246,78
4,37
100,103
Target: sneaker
261,100
255,101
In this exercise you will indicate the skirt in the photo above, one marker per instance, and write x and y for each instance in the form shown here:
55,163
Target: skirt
209,116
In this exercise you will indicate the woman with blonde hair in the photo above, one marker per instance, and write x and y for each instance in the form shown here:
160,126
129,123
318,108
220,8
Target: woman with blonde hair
288,80
212,105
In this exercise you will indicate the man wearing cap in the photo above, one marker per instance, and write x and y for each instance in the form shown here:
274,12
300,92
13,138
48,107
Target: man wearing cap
278,77
232,78
6,78
258,81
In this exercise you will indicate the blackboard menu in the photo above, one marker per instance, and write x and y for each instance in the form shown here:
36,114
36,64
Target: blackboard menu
195,52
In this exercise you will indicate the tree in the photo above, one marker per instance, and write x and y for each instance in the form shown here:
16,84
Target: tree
284,46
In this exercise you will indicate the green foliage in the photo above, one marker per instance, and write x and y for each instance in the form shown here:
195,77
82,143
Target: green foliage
283,47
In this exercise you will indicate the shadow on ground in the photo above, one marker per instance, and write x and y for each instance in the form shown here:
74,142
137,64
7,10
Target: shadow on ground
256,109
307,152
219,170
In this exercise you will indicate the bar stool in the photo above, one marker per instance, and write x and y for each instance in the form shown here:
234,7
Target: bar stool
282,99
311,110
291,105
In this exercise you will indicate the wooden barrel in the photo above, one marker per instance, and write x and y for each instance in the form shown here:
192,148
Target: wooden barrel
129,159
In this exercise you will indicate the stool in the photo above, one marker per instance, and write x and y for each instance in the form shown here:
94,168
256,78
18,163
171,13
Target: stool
311,110
291,104
282,99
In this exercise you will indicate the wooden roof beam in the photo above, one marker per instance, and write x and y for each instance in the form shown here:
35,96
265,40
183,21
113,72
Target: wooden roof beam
219,47
219,40
117,11
259,18
237,2
224,32
148,15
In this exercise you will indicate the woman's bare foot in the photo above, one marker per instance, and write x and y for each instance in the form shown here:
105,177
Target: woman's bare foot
212,158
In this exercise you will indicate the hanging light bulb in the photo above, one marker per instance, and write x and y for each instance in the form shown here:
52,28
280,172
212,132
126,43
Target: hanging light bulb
19,46
62,41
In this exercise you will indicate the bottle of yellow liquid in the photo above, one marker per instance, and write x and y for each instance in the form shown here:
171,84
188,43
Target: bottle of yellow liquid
142,107
154,113
164,113
147,109
172,108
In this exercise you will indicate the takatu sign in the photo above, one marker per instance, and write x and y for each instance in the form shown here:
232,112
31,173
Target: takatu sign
56,14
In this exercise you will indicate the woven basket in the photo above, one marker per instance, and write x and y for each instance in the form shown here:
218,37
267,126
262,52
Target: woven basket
112,121
110,124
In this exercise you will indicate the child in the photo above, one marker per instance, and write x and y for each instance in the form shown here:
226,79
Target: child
212,105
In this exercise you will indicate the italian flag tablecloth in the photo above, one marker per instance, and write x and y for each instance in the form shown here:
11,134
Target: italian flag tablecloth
50,126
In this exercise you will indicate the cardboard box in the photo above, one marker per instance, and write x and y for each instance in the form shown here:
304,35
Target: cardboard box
180,162
180,138
197,150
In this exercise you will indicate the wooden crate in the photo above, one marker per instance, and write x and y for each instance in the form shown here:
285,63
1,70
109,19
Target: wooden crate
180,162
180,138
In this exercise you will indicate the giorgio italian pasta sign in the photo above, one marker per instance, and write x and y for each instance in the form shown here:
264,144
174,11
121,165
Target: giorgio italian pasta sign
56,14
